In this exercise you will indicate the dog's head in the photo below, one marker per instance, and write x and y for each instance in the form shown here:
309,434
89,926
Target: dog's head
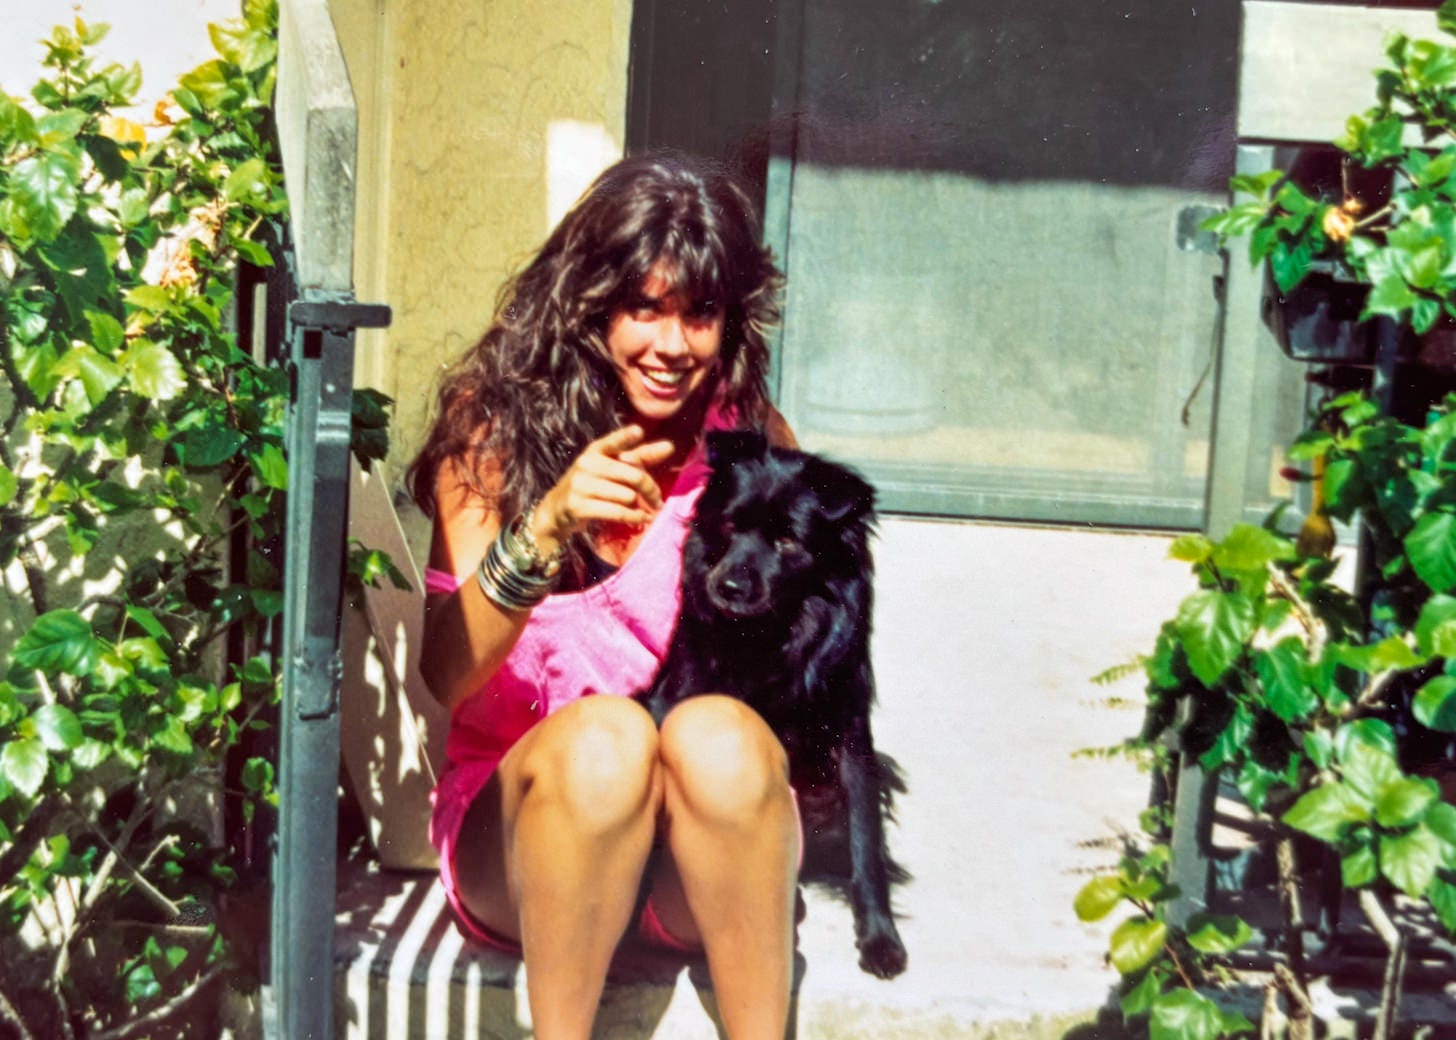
775,527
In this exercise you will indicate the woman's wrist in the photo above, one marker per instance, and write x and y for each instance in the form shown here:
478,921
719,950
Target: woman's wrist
515,573
545,528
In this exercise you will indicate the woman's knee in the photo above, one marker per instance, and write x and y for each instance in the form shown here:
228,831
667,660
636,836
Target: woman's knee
720,756
599,762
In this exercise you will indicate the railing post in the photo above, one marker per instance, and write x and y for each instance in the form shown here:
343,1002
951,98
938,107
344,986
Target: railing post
318,135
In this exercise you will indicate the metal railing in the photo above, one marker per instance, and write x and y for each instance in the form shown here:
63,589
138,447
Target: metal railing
318,130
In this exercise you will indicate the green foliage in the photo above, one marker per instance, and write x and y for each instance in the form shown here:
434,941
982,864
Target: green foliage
1276,676
1404,248
138,440
1167,972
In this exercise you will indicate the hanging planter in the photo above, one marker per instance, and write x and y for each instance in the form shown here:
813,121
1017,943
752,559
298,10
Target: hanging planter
1320,320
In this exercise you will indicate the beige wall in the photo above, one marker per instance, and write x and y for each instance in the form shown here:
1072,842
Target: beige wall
479,121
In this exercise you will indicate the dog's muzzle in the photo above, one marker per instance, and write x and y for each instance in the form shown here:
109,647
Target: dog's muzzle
737,591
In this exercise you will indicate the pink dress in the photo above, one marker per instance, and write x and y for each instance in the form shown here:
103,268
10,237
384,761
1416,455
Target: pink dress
606,639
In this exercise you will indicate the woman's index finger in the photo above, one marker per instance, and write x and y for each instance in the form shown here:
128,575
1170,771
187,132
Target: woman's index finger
619,440
649,454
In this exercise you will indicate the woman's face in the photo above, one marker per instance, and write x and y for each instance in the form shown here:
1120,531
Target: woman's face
664,347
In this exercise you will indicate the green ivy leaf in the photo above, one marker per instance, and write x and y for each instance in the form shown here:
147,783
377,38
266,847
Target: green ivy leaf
1320,747
1326,811
1442,895
1446,17
1435,704
1435,629
1281,671
1403,802
1441,820
90,753
1214,626
1371,733
1410,860
58,641
57,727
98,374
1250,548
1358,868
148,623
271,466
1135,942
9,485
1217,933
1190,548
1367,771
1139,999
16,124
142,984
44,188
1183,1014
210,444
24,764
174,737
153,371
1431,547
144,652
1390,296
257,775
107,335
1098,897
246,182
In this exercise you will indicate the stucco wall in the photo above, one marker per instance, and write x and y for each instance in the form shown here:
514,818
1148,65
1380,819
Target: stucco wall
480,120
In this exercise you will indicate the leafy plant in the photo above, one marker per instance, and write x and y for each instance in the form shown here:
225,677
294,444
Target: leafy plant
1392,224
1275,675
139,444
1167,969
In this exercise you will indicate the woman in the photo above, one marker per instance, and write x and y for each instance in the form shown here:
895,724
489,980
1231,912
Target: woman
560,471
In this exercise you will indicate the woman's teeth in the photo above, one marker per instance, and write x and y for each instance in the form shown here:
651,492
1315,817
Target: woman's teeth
663,378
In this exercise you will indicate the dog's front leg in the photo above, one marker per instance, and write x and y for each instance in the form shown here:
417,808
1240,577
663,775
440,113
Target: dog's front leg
881,951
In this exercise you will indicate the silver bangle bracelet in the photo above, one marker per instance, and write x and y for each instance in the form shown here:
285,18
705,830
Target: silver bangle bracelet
510,575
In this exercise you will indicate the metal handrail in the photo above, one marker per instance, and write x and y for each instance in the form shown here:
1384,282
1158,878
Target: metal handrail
318,135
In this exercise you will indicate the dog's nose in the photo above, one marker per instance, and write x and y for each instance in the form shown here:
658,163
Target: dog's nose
734,586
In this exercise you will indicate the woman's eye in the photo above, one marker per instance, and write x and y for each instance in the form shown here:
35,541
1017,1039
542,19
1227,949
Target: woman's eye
705,310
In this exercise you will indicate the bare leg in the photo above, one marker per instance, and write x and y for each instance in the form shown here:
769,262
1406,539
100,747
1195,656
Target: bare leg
552,852
733,843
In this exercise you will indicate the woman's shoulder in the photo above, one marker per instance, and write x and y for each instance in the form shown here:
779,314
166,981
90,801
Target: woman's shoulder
776,429
466,516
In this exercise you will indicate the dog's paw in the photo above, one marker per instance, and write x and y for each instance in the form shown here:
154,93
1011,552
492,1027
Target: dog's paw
881,953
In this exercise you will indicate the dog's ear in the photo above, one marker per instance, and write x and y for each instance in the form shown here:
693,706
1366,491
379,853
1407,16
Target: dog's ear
843,494
729,446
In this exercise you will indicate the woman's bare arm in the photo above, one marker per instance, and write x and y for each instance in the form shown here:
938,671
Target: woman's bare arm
467,635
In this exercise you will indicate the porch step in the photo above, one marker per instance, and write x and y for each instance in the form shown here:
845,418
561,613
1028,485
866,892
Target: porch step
405,971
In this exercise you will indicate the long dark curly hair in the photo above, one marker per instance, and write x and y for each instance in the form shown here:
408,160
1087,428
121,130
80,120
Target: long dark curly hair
540,385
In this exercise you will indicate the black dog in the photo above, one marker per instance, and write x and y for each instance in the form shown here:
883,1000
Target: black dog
776,612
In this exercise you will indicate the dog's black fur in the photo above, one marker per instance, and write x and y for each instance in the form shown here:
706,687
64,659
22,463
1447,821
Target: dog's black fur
776,612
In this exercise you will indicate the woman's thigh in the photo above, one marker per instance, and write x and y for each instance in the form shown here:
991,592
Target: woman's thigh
484,871
720,745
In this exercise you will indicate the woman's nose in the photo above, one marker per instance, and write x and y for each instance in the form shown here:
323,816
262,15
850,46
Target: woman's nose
672,338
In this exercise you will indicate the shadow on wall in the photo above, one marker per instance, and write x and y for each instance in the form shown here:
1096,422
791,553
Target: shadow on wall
393,730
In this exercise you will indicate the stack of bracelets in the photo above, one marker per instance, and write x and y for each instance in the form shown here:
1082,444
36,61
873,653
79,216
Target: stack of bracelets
513,573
